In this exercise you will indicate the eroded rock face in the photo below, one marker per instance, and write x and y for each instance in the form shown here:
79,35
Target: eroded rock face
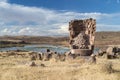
82,34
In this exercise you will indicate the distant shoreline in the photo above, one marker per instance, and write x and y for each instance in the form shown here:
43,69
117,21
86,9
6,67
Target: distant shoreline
101,39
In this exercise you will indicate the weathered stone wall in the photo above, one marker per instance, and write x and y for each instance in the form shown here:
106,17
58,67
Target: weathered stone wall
82,34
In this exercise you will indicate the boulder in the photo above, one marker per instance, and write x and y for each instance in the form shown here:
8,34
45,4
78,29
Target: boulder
42,65
32,64
112,52
33,57
92,58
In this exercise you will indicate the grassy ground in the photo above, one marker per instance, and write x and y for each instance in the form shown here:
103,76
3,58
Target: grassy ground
17,68
12,68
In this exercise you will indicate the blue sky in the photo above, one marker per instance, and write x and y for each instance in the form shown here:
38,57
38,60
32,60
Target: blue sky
51,17
105,6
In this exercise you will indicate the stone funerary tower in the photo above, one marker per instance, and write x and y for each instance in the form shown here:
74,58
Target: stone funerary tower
82,35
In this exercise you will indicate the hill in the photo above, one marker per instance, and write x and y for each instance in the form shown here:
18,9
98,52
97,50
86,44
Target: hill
101,38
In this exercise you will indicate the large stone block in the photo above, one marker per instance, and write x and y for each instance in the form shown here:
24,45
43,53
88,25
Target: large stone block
82,52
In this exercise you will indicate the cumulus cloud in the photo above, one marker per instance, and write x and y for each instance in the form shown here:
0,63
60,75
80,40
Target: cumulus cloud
107,27
22,20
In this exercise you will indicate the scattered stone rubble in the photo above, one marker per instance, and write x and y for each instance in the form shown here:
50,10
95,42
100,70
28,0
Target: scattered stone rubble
110,53
47,56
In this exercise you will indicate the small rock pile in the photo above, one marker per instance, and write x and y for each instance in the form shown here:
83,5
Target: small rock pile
81,41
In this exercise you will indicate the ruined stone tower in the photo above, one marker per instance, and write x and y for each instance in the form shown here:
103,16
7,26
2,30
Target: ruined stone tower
82,35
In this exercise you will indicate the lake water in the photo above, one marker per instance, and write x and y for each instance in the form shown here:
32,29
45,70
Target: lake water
40,48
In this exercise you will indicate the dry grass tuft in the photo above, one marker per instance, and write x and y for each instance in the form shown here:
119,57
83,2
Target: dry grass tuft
107,67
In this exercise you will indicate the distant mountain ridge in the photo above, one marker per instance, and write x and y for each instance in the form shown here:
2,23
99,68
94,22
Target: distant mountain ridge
101,38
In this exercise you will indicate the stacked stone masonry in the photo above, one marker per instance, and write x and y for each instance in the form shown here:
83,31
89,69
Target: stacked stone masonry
82,35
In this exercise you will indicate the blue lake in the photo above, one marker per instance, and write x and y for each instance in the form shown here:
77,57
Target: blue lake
40,48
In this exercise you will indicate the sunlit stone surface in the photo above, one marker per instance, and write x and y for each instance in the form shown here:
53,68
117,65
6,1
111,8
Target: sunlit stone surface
82,35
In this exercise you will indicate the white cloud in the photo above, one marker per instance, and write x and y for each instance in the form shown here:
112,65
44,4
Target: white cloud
62,30
23,14
25,30
22,20
104,27
5,30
